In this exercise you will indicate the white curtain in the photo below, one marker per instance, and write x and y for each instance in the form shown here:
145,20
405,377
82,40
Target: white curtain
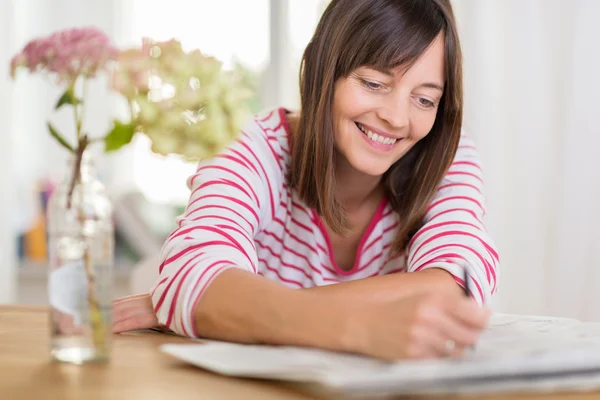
7,243
532,102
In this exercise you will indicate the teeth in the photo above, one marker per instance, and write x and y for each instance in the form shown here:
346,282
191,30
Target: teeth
375,137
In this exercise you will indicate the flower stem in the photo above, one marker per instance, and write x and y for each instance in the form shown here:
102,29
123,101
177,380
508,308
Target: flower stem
83,96
96,320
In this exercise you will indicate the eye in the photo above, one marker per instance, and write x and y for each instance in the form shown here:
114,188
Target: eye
371,85
425,103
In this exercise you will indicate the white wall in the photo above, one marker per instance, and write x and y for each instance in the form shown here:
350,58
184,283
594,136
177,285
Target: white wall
7,243
532,98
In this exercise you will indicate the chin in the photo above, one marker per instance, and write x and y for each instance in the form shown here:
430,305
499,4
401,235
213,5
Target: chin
375,168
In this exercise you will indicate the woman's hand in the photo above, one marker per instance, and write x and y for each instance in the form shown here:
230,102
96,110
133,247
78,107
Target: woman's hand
424,325
133,312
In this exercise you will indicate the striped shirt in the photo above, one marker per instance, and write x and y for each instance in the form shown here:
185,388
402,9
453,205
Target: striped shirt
242,214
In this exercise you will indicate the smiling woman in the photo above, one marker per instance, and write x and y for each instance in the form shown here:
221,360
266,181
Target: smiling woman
349,224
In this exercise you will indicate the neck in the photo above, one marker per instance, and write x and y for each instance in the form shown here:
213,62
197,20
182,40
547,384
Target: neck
354,188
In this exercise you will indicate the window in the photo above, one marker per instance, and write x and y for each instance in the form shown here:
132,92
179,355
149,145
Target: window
231,30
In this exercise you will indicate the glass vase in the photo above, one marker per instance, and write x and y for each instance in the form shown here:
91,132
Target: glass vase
81,262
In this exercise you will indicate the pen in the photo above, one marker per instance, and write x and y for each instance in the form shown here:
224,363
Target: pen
468,294
466,279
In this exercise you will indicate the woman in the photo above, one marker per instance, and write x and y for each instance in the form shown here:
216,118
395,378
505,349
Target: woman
349,225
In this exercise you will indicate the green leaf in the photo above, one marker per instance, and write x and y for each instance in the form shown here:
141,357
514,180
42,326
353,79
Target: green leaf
119,136
67,98
60,139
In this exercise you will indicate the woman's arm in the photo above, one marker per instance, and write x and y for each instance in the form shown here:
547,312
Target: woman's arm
247,308
454,236
393,287
232,195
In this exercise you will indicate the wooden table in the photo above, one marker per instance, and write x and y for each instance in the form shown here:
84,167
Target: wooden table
137,370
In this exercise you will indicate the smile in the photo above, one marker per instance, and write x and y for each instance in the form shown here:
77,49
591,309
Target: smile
374,137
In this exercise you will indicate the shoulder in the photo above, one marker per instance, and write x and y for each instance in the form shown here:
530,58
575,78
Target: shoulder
271,124
269,132
467,148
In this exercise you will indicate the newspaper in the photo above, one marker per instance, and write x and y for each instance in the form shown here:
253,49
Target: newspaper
515,353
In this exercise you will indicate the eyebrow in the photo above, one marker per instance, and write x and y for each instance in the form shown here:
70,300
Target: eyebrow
433,86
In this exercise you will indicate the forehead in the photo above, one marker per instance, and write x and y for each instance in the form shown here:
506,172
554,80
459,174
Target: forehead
430,64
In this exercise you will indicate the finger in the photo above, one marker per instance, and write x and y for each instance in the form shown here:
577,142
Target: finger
468,312
134,323
130,298
447,327
128,312
128,308
433,344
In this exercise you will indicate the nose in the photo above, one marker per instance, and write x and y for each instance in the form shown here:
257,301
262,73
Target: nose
395,110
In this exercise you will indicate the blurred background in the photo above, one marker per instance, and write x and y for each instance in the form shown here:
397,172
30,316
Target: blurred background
532,104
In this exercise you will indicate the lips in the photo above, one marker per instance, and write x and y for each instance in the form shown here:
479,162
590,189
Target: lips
377,137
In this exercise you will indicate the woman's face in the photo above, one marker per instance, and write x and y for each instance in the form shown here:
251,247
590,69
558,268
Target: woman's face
380,115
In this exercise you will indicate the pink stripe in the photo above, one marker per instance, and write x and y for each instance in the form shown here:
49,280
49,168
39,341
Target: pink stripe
371,261
277,256
228,198
393,271
250,225
243,157
461,282
470,163
281,242
431,226
159,284
322,248
290,251
239,231
448,256
294,220
454,210
281,278
448,233
192,248
374,221
182,322
225,156
302,208
467,146
401,255
435,204
173,279
193,228
489,270
176,298
276,140
449,185
269,116
286,126
440,257
380,237
291,235
177,256
220,168
229,183
272,130
197,299
465,173
232,241
268,180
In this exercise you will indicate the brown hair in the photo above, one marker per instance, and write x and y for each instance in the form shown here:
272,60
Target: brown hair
382,34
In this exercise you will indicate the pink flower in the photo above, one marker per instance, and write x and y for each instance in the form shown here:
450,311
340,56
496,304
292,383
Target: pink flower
68,54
